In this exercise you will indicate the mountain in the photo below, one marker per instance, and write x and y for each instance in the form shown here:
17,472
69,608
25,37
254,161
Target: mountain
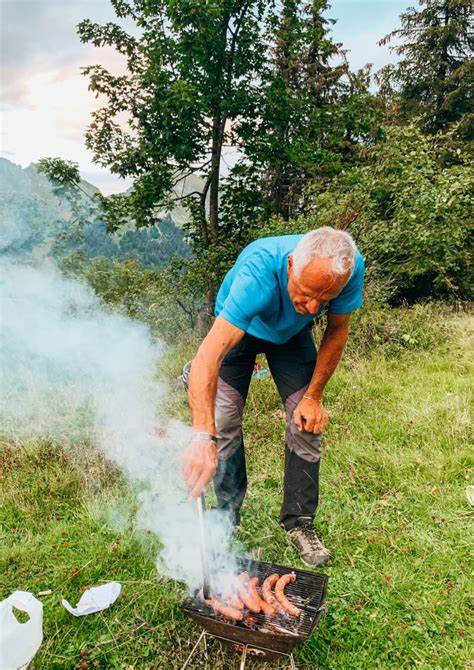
180,215
36,221
14,178
31,214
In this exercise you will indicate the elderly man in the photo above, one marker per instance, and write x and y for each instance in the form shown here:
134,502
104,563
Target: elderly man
267,304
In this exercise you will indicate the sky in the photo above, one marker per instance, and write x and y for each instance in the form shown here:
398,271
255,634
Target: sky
45,105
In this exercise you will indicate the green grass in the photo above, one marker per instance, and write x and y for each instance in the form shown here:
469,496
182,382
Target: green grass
393,511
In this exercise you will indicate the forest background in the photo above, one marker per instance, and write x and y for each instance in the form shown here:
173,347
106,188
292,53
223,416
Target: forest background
384,155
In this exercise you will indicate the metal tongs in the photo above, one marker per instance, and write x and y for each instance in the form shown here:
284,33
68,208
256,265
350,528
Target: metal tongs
206,582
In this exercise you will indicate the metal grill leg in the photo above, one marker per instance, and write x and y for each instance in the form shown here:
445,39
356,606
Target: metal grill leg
243,659
194,649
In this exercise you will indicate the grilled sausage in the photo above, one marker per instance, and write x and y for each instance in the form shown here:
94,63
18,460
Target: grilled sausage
245,594
267,593
280,595
264,606
235,602
225,610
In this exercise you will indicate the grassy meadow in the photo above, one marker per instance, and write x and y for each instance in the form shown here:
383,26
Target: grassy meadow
393,510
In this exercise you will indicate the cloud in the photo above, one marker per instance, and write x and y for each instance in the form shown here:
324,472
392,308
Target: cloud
51,122
46,105
42,37
45,30
38,37
46,102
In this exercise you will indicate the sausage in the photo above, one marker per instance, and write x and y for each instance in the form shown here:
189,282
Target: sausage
267,593
280,595
235,602
245,594
225,610
264,606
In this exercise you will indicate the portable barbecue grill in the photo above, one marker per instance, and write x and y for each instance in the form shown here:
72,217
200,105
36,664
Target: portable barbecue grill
257,635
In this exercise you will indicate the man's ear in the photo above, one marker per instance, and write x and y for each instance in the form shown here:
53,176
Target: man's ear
290,262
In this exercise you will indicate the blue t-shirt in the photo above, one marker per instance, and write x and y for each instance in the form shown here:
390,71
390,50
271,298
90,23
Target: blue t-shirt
254,294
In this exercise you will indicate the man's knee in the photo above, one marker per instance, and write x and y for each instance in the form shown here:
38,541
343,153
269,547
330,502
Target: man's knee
307,446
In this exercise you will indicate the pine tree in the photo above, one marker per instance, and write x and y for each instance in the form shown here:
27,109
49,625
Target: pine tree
313,111
306,83
434,77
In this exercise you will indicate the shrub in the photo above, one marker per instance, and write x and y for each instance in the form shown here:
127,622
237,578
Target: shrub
409,209
166,299
393,331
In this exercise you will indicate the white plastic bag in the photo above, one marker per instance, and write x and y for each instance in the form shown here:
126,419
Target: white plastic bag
470,495
19,642
95,599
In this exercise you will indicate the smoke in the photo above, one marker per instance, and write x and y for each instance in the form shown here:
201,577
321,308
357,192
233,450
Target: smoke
69,367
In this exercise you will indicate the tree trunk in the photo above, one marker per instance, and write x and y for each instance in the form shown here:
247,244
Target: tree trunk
212,187
204,319
217,136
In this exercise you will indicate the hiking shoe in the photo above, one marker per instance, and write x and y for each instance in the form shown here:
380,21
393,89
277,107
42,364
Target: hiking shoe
311,549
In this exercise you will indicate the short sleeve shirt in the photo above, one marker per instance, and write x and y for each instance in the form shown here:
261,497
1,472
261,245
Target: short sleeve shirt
254,294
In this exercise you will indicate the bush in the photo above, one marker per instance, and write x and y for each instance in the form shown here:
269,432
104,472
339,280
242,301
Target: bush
166,299
410,211
392,331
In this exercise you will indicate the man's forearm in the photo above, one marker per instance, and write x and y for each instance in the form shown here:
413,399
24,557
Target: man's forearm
329,354
202,392
200,458
205,371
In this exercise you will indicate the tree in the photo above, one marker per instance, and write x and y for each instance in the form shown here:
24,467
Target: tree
85,208
434,76
87,235
410,213
203,75
303,84
314,112
66,183
191,73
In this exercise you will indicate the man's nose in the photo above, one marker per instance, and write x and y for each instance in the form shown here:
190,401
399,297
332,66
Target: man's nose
313,305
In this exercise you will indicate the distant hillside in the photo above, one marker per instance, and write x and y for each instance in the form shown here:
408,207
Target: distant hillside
14,178
180,215
152,246
36,221
31,214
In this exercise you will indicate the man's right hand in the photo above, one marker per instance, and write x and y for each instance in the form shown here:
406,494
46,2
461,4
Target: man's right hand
199,465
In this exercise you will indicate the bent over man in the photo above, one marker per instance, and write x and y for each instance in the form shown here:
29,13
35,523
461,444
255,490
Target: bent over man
267,304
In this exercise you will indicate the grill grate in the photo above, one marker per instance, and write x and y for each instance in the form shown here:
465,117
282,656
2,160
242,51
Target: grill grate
279,633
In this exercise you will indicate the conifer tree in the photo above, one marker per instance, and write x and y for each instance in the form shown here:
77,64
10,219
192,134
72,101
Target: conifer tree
434,76
313,111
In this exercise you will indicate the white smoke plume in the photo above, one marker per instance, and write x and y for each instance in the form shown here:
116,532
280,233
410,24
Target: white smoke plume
70,364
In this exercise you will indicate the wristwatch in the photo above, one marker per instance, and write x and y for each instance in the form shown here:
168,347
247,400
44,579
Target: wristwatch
207,437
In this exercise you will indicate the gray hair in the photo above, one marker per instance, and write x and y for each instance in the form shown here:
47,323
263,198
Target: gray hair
327,242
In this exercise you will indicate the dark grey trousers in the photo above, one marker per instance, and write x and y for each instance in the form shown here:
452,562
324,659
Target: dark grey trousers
292,366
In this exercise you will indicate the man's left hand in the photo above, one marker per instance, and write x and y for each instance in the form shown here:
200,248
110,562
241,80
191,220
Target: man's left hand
310,416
